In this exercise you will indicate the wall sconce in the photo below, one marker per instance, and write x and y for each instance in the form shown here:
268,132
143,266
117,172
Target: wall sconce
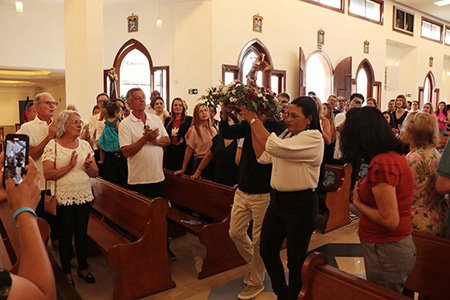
366,46
430,61
19,7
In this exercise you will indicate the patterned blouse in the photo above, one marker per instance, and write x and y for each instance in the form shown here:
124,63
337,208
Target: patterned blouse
429,209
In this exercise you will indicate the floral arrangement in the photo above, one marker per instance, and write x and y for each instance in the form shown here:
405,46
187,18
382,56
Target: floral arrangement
235,95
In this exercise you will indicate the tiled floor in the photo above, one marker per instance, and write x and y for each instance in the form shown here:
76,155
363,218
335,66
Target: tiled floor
222,286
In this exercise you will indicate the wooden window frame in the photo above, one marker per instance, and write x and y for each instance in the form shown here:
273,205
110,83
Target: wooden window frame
433,23
447,28
394,21
281,74
341,10
380,22
230,68
434,92
167,88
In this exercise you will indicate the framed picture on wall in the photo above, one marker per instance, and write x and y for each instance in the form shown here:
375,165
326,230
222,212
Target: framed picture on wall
257,23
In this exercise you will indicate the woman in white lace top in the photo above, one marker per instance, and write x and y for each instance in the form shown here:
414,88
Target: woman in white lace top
70,165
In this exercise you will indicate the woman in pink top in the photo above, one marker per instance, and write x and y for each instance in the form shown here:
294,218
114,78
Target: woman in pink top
442,117
198,140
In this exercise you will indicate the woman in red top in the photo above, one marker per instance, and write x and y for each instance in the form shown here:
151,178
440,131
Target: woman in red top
383,197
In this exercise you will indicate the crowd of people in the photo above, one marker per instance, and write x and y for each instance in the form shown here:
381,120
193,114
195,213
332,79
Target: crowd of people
275,164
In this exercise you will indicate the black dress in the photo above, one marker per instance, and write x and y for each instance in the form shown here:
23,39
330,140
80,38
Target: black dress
397,123
174,154
225,169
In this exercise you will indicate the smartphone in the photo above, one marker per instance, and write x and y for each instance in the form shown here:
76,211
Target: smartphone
17,147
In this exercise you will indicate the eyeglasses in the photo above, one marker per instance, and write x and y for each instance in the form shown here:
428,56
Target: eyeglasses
77,122
358,102
49,103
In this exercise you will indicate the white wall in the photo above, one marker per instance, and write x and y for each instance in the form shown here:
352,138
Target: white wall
198,36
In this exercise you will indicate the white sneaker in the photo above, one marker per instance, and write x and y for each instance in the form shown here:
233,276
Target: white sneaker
250,292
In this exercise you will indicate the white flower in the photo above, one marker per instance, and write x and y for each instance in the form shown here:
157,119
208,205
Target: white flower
233,99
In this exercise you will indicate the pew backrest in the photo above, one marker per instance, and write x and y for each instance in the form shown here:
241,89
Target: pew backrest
204,197
322,281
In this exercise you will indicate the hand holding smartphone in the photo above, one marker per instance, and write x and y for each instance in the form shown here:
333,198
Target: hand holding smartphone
17,148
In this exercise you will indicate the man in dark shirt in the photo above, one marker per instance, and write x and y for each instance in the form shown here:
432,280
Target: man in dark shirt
250,201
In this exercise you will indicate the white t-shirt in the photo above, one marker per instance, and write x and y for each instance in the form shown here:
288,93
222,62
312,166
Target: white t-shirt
37,131
295,160
338,120
75,186
146,166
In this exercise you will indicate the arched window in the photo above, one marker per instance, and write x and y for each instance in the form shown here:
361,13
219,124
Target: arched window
273,79
428,93
365,81
134,68
318,75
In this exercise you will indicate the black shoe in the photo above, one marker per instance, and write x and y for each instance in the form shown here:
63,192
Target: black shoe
89,278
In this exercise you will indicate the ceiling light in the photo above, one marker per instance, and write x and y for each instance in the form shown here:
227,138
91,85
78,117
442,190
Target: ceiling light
19,7
448,73
158,23
396,64
24,73
442,3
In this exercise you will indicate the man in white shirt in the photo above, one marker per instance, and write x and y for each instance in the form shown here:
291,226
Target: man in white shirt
96,126
356,101
40,131
142,137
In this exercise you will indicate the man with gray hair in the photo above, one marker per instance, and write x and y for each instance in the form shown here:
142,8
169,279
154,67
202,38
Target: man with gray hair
41,130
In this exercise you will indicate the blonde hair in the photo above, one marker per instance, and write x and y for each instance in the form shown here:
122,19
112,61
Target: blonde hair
197,123
422,129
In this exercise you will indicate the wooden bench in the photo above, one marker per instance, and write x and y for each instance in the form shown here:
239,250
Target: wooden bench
336,185
431,274
322,281
209,199
132,230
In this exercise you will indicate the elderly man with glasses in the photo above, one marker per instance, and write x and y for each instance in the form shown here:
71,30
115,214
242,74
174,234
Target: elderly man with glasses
41,130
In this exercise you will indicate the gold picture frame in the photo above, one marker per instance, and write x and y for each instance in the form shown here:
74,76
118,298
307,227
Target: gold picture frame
133,23
366,46
320,37
257,23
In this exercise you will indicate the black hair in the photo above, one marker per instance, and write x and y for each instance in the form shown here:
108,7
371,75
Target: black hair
366,134
309,108
153,101
112,109
213,107
102,94
360,96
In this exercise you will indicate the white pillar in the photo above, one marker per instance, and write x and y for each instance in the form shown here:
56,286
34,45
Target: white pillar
83,38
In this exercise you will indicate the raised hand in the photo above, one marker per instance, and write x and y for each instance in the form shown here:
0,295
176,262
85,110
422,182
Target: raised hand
88,161
73,159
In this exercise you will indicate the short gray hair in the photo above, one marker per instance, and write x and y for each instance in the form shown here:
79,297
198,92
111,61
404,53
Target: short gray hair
38,97
61,121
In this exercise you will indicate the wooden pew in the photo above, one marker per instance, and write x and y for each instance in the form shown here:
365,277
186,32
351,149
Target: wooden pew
132,230
431,274
207,199
336,184
322,281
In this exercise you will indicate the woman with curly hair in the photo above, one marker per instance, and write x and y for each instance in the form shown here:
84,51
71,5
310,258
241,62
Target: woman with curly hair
429,209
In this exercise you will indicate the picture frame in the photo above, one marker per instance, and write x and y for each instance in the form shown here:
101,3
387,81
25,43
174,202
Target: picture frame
321,37
366,46
257,23
133,23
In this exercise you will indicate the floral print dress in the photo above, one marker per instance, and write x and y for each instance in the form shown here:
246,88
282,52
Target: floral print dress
429,209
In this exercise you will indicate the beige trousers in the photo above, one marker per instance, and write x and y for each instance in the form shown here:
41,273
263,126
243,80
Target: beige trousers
247,207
